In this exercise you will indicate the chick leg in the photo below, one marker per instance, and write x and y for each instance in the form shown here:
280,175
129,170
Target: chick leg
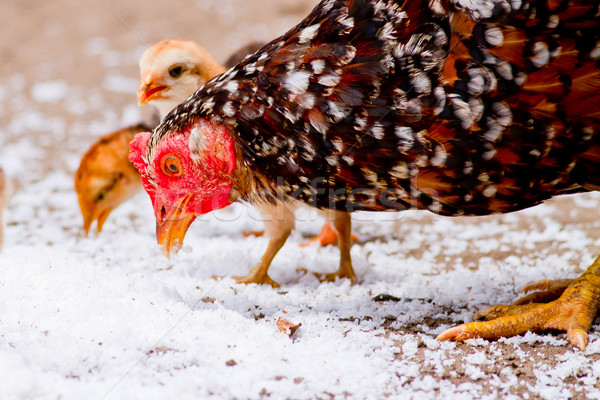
279,222
343,225
574,312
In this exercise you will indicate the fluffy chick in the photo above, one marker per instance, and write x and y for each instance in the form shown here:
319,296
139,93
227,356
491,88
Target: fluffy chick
105,177
173,69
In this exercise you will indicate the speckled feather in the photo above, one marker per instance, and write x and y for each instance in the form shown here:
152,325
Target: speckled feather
459,107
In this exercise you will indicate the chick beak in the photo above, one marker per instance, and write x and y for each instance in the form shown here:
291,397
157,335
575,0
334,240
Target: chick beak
173,225
87,223
150,90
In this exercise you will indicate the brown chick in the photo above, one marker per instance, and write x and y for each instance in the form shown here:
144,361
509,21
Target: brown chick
105,177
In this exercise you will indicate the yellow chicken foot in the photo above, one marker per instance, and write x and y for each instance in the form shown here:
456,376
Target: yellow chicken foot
278,229
574,312
257,275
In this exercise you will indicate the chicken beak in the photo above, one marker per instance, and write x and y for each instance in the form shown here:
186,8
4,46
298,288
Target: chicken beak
150,90
171,230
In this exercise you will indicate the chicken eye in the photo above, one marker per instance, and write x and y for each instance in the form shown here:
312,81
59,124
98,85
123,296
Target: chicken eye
172,167
175,71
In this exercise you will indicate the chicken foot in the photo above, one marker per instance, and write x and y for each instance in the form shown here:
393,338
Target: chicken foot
279,222
573,311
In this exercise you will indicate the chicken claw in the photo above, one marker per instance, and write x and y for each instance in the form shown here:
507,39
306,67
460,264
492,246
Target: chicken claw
547,290
574,312
252,277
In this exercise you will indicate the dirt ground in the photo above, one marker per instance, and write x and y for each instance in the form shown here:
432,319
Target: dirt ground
94,46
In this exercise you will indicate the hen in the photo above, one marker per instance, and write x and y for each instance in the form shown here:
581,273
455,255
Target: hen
170,71
457,107
169,87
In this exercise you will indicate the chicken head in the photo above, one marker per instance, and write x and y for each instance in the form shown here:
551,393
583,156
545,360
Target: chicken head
187,175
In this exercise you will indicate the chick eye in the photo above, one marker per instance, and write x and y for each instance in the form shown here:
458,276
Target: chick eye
175,71
171,166
100,196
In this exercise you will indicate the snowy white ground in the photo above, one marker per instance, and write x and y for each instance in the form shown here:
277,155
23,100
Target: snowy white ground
108,317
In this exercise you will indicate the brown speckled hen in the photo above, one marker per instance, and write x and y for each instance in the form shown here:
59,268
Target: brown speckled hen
455,106
170,71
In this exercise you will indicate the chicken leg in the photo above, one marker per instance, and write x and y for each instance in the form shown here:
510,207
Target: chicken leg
574,312
279,222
